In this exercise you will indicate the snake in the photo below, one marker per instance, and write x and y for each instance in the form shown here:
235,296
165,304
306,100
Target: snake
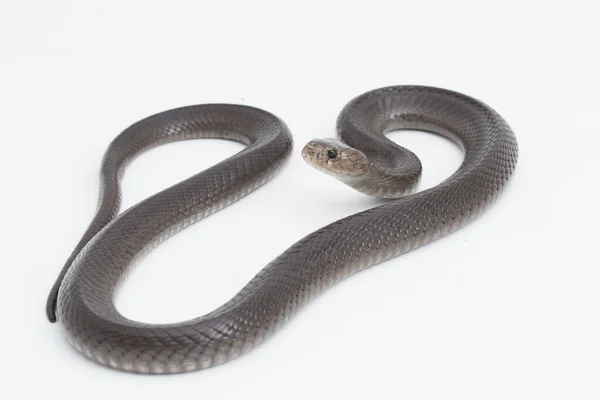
361,156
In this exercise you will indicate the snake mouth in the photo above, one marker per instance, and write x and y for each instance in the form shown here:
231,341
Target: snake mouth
310,153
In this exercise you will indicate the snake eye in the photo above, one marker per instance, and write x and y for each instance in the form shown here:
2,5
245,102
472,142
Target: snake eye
332,153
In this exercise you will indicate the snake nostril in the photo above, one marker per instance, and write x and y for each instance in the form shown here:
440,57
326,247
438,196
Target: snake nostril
307,152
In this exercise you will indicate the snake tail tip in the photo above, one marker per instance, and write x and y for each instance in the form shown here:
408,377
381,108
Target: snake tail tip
51,309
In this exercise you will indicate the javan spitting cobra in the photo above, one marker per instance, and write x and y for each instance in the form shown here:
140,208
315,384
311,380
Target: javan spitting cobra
362,157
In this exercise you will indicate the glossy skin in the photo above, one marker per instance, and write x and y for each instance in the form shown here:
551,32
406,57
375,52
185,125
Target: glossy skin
364,159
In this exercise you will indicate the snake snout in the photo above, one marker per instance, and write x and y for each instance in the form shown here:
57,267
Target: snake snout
308,152
314,154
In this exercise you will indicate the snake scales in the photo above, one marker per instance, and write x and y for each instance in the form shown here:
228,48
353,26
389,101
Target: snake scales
361,157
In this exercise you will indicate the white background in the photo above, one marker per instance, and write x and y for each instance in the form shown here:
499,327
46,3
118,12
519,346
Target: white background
505,308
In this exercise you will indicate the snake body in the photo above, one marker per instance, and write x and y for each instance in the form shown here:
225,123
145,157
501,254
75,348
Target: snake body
361,156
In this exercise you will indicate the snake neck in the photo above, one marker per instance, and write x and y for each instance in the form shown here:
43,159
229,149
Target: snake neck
388,179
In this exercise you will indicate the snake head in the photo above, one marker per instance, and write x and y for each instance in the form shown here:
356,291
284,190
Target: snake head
335,158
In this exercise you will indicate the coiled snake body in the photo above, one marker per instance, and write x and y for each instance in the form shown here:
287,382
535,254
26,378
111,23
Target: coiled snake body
361,156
